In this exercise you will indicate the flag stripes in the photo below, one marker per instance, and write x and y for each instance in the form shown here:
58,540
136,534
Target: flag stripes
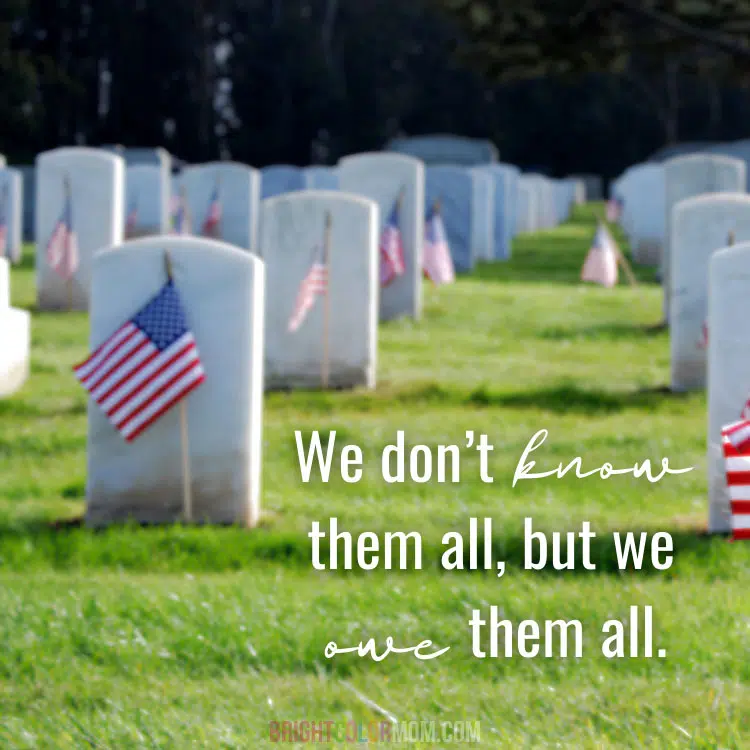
62,248
437,261
315,283
145,367
736,447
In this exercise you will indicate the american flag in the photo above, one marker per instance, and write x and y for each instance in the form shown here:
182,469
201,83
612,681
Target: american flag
736,445
392,264
437,261
180,216
145,367
4,221
600,265
132,219
614,208
213,216
62,248
703,343
315,283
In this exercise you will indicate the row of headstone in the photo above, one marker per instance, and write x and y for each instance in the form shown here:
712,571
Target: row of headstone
480,205
679,213
544,202
15,338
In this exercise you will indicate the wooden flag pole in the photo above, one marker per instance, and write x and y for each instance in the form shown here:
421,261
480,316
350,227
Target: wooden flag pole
324,365
187,482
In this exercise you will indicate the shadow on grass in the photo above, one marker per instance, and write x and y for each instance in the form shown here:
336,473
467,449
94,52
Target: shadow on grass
69,545
566,398
27,410
605,331
559,262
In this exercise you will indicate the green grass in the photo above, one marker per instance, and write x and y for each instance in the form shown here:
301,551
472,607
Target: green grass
185,637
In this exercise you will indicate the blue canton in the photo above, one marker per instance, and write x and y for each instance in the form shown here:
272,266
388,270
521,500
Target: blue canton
163,319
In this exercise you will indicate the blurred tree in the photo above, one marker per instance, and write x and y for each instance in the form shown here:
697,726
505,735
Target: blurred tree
558,85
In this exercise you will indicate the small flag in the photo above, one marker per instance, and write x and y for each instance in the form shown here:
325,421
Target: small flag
703,343
145,367
62,248
180,215
4,221
600,265
132,219
213,216
437,261
315,283
615,206
392,264
736,445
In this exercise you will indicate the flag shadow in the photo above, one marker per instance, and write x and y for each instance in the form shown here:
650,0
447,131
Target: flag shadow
176,548
608,331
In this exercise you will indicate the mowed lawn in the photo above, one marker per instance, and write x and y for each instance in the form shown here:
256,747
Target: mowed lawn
200,637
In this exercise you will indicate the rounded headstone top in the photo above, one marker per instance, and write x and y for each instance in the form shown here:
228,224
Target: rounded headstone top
379,157
79,152
322,196
702,157
173,243
729,256
711,199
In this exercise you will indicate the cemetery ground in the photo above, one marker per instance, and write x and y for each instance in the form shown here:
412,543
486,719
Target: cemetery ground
178,637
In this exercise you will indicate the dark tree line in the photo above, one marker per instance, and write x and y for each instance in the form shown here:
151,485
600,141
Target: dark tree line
560,85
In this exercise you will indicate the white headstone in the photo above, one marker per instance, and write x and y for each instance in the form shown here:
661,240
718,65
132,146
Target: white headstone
279,179
483,215
687,176
444,149
527,212
222,290
700,226
579,190
97,183
505,189
381,177
728,366
148,191
321,178
457,190
538,185
15,338
11,205
239,198
292,237
644,206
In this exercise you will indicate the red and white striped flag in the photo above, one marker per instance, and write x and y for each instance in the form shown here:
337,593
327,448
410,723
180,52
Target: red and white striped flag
180,215
62,248
736,445
600,265
614,209
132,219
392,263
703,343
145,367
315,283
213,215
437,261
